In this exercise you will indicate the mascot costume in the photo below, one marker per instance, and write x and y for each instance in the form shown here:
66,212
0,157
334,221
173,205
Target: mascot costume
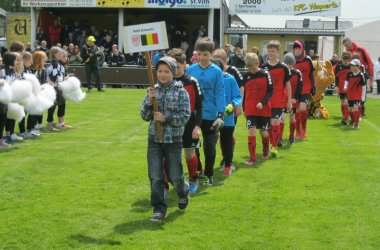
324,77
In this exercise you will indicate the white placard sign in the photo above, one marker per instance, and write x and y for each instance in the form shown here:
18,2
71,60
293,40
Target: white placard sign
286,7
145,37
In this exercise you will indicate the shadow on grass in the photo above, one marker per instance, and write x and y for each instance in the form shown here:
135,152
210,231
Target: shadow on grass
340,126
89,240
146,225
9,149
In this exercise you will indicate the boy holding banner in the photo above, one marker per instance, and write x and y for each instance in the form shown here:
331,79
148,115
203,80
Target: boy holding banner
173,113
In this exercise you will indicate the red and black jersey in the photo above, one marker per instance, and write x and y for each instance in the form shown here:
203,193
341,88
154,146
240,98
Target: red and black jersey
305,65
258,87
355,85
196,98
341,72
280,75
232,70
296,83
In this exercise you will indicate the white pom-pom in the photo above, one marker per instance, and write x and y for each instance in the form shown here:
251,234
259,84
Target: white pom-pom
21,89
35,83
48,92
15,112
37,105
71,84
5,92
75,96
71,90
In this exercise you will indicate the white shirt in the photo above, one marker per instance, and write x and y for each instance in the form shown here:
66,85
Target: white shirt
377,70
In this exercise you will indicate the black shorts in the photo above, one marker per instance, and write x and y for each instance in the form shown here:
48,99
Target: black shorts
187,138
277,112
305,98
259,122
342,96
351,103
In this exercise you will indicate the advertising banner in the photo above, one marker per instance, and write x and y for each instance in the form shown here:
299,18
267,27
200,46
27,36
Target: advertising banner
18,28
286,7
167,4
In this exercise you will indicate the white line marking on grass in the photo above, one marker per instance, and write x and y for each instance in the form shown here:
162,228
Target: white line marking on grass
372,125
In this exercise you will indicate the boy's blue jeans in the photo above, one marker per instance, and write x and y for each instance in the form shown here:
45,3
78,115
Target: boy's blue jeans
171,153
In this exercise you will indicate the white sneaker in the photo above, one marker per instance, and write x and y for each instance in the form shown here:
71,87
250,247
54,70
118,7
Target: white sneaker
25,135
233,169
34,133
15,137
3,144
38,126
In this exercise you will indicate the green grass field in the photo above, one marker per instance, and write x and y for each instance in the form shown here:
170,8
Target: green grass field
87,188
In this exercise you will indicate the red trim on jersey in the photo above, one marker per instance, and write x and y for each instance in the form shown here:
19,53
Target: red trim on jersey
341,71
306,68
255,90
355,86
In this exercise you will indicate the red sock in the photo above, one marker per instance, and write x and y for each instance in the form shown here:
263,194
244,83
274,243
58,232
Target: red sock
351,116
345,114
356,115
282,125
304,123
343,109
192,166
292,128
252,147
298,124
270,134
265,142
275,135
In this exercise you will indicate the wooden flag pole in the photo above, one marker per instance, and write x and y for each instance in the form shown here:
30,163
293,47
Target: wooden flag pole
154,100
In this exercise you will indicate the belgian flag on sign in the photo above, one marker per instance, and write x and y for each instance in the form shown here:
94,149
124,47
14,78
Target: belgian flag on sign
149,39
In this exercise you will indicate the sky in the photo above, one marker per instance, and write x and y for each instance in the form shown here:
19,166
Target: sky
357,11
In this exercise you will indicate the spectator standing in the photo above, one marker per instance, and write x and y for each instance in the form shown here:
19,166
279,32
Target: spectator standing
70,39
55,33
227,49
237,58
40,35
257,52
83,38
377,75
88,53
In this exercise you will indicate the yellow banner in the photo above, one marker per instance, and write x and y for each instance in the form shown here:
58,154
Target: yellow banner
18,28
121,3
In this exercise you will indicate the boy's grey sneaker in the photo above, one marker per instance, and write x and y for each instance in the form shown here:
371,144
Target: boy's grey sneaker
157,217
184,201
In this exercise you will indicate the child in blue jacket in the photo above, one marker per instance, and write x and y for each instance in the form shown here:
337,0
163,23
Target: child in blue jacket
233,99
